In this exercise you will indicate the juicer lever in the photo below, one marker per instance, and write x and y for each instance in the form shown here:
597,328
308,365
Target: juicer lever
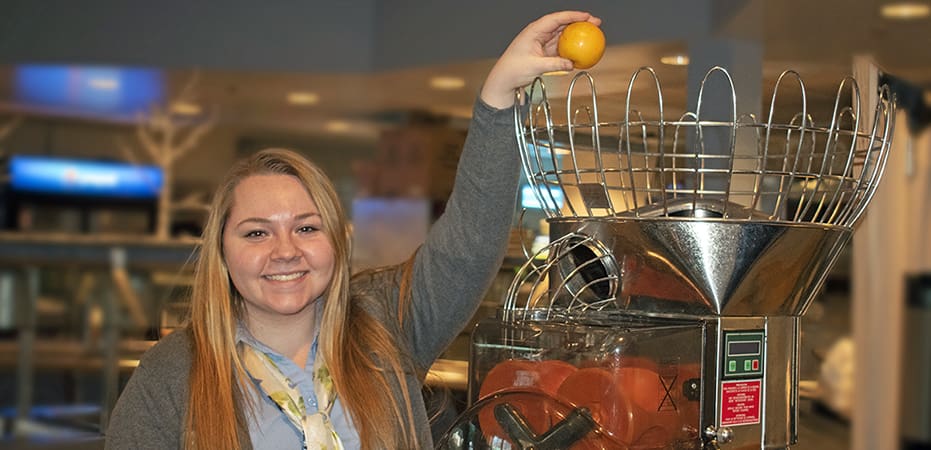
568,431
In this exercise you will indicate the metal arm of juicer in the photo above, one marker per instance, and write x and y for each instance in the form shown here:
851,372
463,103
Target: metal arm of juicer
561,436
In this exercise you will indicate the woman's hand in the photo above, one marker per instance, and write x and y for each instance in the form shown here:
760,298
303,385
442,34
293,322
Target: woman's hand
531,53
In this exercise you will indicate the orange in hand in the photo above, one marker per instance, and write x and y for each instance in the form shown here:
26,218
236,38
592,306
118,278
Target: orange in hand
583,43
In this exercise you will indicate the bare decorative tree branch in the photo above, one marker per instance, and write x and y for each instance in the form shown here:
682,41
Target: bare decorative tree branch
8,128
128,154
167,136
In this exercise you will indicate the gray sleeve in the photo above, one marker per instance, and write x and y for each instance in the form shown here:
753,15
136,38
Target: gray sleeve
150,411
466,245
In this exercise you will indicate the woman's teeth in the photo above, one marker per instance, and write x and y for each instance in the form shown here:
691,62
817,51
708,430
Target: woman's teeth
285,277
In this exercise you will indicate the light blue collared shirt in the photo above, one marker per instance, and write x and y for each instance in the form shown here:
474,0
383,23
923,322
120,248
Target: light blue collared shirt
269,428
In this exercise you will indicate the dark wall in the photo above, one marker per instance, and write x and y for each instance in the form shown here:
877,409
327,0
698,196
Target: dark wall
294,35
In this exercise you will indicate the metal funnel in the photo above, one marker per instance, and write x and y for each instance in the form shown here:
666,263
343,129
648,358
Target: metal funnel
692,266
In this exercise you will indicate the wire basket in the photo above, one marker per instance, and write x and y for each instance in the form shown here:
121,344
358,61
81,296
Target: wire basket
688,216
740,168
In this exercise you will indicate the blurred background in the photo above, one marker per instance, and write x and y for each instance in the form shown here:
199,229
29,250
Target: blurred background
118,119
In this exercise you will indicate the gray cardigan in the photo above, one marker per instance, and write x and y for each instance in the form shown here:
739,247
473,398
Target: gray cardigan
452,270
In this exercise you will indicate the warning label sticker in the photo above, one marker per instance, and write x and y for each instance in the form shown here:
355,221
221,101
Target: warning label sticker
740,402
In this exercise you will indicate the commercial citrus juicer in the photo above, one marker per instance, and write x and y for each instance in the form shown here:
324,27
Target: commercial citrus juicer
665,310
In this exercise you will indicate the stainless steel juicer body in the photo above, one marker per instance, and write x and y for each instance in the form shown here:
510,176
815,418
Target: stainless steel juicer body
745,283
682,255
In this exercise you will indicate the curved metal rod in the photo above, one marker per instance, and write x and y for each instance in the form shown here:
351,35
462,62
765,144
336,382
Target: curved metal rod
733,136
529,173
759,169
884,108
540,181
857,180
520,233
790,173
626,128
530,268
648,188
596,138
578,270
696,168
769,127
829,212
832,135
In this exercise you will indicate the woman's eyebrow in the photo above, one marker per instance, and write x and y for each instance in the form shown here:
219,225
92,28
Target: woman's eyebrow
264,221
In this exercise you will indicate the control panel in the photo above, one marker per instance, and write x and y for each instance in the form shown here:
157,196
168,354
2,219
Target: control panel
744,354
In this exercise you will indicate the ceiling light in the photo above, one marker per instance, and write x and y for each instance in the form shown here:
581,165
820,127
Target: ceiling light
905,10
183,108
303,98
446,83
675,60
337,126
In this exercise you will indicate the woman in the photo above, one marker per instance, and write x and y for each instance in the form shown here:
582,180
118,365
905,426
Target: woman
283,350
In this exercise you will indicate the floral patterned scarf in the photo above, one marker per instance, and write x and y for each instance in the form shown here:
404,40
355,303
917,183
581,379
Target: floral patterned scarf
316,428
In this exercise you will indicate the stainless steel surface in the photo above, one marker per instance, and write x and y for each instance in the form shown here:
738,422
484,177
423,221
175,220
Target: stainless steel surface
778,425
694,267
780,416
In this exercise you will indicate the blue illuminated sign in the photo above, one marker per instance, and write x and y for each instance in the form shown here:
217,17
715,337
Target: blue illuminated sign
56,176
529,200
98,89
546,161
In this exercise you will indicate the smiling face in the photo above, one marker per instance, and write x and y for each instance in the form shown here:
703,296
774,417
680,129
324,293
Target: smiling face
278,254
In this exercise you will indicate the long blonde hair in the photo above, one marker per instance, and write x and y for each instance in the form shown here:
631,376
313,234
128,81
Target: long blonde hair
350,338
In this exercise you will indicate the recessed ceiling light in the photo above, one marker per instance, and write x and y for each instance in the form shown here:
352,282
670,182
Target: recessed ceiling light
303,98
905,10
447,83
675,60
337,126
183,108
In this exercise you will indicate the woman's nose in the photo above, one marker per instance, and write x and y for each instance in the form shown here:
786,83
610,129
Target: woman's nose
284,248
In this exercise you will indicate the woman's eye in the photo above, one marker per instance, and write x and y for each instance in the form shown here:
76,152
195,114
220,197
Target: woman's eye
307,229
255,234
